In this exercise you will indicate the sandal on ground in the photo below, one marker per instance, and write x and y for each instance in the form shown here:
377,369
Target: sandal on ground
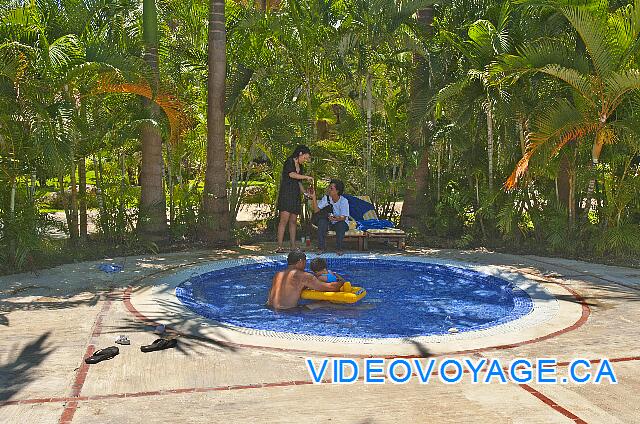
102,355
281,250
123,340
159,344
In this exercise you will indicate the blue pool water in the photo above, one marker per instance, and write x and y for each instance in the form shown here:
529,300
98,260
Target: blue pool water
404,299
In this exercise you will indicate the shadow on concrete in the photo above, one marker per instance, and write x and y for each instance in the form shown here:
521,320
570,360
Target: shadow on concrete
50,303
421,348
43,303
599,292
191,333
20,372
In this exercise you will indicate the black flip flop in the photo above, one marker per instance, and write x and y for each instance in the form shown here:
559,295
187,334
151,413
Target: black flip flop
159,344
102,355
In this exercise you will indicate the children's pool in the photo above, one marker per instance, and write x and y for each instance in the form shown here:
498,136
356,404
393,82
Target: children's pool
404,299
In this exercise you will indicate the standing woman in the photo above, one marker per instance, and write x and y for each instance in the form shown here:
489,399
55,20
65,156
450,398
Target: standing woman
289,202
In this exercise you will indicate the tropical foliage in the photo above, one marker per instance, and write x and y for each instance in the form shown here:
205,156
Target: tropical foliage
502,124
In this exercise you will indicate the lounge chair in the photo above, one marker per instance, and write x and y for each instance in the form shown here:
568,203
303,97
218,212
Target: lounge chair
362,210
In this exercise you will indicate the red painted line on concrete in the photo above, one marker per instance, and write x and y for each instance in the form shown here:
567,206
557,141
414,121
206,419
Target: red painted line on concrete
141,394
68,412
586,311
597,361
109,396
249,386
83,370
552,404
231,387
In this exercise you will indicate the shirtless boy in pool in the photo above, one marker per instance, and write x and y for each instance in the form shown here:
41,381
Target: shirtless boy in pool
288,284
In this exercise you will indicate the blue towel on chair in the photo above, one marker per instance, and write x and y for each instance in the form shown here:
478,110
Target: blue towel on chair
357,207
371,224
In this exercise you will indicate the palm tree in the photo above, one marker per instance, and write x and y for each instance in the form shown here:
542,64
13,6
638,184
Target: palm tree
417,182
303,34
601,81
486,41
373,27
215,211
467,97
36,125
152,220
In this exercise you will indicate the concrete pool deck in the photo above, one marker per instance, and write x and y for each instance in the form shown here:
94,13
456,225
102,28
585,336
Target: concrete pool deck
49,322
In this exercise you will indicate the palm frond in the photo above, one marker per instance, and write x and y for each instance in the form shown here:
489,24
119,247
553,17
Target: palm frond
574,78
171,106
237,82
64,51
535,56
625,28
557,125
595,35
617,84
481,35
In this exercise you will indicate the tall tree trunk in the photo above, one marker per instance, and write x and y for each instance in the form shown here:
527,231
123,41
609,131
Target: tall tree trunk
12,214
490,149
73,215
215,219
414,199
82,196
65,199
12,198
440,147
562,182
236,173
152,219
601,139
416,184
566,186
97,166
521,125
32,186
311,118
172,209
123,187
572,194
480,220
369,103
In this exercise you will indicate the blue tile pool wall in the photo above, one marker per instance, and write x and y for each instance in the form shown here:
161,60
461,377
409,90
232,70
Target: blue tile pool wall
404,299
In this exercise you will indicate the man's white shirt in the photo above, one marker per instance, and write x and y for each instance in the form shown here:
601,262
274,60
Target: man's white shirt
340,208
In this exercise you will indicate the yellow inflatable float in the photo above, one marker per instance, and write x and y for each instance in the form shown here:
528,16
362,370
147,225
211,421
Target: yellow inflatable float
347,294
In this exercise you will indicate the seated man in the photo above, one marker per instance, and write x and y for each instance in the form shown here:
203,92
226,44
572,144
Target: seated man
288,284
337,220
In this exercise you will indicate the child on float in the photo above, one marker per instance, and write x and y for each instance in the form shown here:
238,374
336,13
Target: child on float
319,268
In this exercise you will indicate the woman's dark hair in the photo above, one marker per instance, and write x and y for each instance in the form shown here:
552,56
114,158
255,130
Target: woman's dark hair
318,264
300,149
339,186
